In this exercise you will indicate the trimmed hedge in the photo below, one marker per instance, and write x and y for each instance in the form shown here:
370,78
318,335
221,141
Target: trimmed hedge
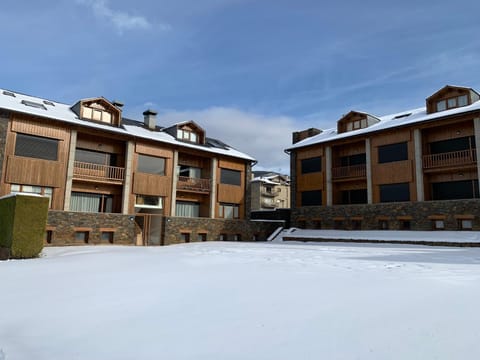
23,219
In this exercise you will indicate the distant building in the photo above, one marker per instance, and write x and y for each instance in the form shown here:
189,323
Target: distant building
269,191
415,169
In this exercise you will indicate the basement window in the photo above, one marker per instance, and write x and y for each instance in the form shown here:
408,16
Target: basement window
107,237
464,224
82,236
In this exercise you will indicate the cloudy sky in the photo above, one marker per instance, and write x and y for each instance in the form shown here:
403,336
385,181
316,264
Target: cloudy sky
249,71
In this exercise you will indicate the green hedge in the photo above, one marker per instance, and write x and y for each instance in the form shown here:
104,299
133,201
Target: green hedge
23,220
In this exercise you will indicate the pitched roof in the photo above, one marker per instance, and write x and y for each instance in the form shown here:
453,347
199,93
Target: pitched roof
26,104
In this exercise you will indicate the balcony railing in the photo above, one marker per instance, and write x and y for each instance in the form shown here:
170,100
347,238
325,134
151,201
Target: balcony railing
454,158
349,171
193,184
268,205
272,193
97,172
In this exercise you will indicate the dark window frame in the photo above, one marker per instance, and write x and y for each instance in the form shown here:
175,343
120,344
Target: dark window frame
37,147
393,192
312,198
311,165
392,152
142,167
230,177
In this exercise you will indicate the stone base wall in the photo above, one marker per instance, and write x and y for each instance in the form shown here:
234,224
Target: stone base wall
64,224
232,230
420,215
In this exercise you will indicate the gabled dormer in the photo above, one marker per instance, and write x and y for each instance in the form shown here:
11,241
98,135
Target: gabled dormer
451,97
355,120
98,110
187,131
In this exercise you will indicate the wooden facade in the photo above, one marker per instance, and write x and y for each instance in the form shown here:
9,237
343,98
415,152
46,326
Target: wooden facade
94,162
428,158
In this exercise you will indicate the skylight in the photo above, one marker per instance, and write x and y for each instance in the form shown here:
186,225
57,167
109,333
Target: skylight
8,93
402,116
46,102
34,104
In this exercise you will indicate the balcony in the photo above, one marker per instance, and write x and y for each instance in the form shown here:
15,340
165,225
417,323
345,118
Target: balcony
268,205
272,193
98,173
450,159
353,171
185,183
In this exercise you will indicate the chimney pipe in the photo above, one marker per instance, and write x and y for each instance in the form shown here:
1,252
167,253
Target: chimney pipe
150,119
302,135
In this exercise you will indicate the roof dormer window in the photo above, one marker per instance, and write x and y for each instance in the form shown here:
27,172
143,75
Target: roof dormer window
187,135
97,114
453,102
451,97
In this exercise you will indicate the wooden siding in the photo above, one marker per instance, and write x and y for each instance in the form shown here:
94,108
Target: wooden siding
29,171
394,172
150,184
153,150
312,181
230,194
32,127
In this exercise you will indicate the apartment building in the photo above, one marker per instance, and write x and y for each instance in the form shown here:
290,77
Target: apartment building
115,180
269,191
415,169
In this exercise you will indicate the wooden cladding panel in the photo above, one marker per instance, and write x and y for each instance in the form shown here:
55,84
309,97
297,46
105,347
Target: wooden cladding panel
446,132
149,184
392,173
22,170
349,149
154,151
33,127
313,181
228,164
230,193
100,144
392,137
310,152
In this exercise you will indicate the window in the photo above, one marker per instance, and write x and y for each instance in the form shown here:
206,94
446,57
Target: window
30,189
36,147
392,152
202,237
187,135
89,202
311,165
338,224
465,224
189,171
107,237
95,157
185,237
453,102
222,237
187,209
464,189
302,224
49,236
34,104
358,159
97,115
451,145
405,224
228,211
317,224
383,224
151,164
230,177
438,224
147,201
358,196
82,236
237,237
395,192
312,198
357,224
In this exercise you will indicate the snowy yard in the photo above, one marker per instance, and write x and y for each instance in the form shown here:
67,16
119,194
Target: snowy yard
242,301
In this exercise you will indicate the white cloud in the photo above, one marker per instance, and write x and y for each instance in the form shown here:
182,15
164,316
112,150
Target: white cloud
122,21
260,136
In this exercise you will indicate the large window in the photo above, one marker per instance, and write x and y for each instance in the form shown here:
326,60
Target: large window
187,135
36,147
312,198
395,192
311,165
189,171
230,177
187,209
228,211
358,159
450,145
465,189
89,202
95,157
151,165
393,152
452,102
358,196
147,201
97,115
30,189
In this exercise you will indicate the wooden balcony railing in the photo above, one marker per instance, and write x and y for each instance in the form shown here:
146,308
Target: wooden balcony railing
193,184
97,172
349,171
454,158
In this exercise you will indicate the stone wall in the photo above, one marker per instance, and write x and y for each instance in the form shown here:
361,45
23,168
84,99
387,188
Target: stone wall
419,215
239,230
64,224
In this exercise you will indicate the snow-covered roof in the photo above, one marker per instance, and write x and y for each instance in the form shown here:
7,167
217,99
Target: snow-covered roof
18,102
391,121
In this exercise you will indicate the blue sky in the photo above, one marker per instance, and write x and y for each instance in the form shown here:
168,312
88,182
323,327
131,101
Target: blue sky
249,72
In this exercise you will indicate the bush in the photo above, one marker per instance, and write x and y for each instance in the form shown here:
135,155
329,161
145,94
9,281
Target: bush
22,225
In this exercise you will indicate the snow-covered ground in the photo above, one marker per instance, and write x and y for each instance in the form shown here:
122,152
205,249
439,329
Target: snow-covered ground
242,301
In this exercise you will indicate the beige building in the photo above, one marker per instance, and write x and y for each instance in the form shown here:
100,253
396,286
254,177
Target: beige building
269,191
